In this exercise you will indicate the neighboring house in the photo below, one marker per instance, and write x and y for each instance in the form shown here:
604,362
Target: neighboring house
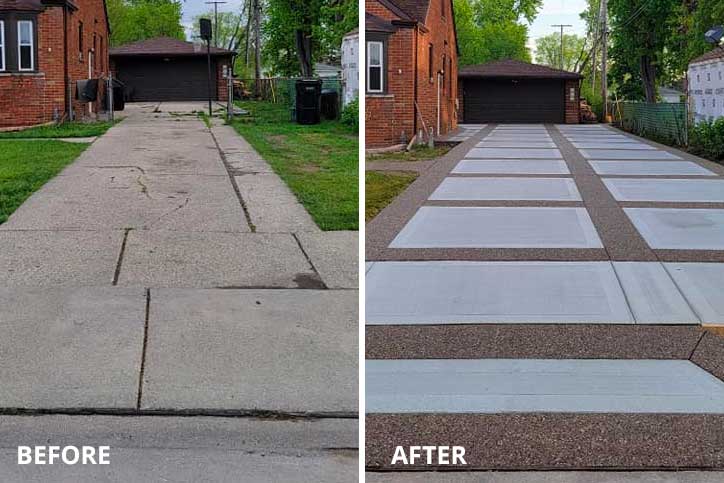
411,62
706,85
514,91
46,46
350,66
167,69
670,95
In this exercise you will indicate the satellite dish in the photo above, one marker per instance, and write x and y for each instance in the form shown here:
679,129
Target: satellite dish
714,35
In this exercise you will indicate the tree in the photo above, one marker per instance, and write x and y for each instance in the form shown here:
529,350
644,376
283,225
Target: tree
133,20
691,19
492,30
548,51
228,32
298,33
639,35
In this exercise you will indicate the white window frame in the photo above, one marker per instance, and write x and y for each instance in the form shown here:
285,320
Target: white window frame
381,66
2,45
31,45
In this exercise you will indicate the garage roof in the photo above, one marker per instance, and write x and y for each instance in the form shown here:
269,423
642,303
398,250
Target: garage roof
514,68
165,46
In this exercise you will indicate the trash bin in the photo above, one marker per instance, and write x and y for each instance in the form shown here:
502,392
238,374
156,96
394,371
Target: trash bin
86,90
330,104
308,101
119,95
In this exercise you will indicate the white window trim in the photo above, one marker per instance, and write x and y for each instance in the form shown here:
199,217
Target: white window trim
31,45
2,43
381,66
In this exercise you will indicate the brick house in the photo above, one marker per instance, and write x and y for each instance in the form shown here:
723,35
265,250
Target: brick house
45,47
511,91
411,62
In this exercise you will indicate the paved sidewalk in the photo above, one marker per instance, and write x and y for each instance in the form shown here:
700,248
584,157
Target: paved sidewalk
169,270
507,262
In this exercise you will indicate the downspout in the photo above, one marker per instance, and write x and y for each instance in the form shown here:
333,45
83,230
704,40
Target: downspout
414,103
66,83
438,103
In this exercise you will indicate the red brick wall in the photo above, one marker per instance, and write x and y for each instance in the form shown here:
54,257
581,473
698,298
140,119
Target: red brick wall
390,118
573,107
222,82
34,98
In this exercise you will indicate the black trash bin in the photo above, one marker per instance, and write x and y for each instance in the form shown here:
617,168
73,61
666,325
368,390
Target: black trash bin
309,101
119,96
330,104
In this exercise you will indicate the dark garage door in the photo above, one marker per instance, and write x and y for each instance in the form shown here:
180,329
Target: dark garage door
508,100
165,79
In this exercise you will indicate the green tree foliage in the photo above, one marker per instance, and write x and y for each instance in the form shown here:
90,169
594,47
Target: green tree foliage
298,33
228,33
690,20
492,29
548,51
639,35
133,20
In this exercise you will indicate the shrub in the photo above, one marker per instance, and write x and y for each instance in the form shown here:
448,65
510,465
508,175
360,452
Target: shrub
707,139
350,114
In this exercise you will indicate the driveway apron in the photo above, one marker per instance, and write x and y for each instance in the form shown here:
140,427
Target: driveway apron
535,290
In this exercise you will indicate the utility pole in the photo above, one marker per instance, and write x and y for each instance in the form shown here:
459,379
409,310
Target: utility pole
216,3
604,57
257,47
562,27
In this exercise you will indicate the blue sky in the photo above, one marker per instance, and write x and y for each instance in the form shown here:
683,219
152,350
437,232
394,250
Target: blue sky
557,12
552,12
191,8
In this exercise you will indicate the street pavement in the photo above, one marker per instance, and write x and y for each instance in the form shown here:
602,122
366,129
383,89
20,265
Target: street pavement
539,295
169,271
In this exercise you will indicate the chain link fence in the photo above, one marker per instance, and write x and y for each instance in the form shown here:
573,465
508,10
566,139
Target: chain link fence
281,90
664,122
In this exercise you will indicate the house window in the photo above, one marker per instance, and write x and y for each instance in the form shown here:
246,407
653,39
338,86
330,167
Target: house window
2,45
708,76
430,62
26,46
375,66
80,41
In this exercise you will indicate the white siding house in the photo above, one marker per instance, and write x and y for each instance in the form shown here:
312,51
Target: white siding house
706,85
350,66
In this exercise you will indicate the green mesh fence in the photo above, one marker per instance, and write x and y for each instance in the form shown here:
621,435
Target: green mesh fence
665,122
282,90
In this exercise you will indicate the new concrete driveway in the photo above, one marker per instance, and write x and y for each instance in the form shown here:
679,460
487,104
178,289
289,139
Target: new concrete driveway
169,270
542,287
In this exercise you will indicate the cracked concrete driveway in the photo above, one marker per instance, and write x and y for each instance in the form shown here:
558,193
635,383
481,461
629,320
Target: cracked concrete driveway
146,278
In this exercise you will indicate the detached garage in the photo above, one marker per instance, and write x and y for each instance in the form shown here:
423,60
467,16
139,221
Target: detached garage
511,91
166,69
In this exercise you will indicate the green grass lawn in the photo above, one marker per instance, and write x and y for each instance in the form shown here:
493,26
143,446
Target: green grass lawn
383,187
319,163
418,153
65,130
25,166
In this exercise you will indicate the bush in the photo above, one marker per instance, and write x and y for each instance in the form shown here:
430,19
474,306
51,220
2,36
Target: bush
350,114
707,139
594,99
